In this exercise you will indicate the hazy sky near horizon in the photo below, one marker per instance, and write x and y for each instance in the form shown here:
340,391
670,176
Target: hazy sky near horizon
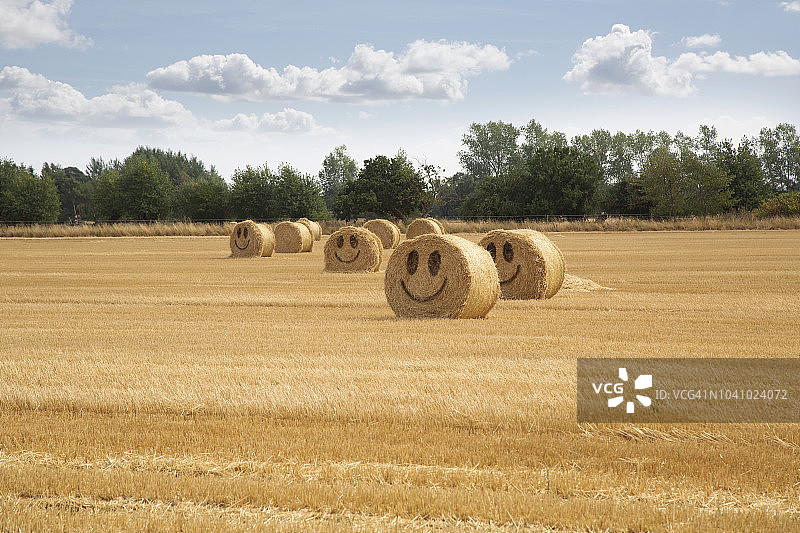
243,83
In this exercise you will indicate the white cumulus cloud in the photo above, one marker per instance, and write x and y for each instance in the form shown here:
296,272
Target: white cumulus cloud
29,23
34,98
623,62
425,70
791,6
287,121
702,41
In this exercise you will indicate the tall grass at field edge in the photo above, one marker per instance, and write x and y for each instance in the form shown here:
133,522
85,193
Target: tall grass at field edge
201,229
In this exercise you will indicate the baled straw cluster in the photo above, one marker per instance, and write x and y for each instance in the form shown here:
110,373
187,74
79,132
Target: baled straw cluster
441,276
387,232
249,239
313,227
293,237
423,226
352,249
530,266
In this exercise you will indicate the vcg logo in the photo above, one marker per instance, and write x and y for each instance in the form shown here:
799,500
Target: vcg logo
644,381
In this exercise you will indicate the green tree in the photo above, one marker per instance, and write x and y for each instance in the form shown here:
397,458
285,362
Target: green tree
253,193
493,197
299,195
489,149
338,168
385,187
75,190
749,185
558,180
144,189
261,194
179,167
203,199
780,155
536,138
26,197
683,184
663,183
786,204
709,192
450,193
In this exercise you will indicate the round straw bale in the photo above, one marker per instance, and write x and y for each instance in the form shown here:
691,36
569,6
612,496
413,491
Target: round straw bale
422,226
530,266
313,227
352,249
249,239
441,276
293,237
387,232
435,221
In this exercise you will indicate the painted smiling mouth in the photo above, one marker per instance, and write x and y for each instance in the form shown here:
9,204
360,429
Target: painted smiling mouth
427,298
343,261
236,243
512,278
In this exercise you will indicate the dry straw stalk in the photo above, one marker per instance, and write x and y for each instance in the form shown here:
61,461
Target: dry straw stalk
313,227
249,239
423,226
435,221
293,237
530,266
352,249
441,276
387,232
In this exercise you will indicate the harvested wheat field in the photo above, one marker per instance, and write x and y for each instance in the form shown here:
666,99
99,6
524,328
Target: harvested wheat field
153,383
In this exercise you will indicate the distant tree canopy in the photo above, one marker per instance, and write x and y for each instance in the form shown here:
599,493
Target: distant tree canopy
261,194
74,190
26,197
138,190
153,184
338,168
507,171
385,187
179,167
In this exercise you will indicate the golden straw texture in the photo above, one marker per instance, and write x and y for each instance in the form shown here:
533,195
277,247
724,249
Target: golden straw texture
441,276
313,227
435,221
423,226
530,266
249,239
293,237
387,231
352,249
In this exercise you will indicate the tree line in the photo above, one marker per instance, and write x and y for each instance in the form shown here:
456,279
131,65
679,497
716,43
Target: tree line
506,171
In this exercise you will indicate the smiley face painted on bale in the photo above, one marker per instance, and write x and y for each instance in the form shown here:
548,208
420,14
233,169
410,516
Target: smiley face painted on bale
528,264
242,236
352,249
434,265
441,276
249,239
507,262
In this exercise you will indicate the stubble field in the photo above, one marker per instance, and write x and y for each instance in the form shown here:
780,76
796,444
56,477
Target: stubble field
153,383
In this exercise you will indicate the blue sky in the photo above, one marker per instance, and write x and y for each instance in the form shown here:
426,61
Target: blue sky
238,83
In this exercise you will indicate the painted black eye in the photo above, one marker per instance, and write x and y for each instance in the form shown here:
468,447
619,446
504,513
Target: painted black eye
353,241
412,261
245,233
508,252
238,232
434,262
492,250
340,241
